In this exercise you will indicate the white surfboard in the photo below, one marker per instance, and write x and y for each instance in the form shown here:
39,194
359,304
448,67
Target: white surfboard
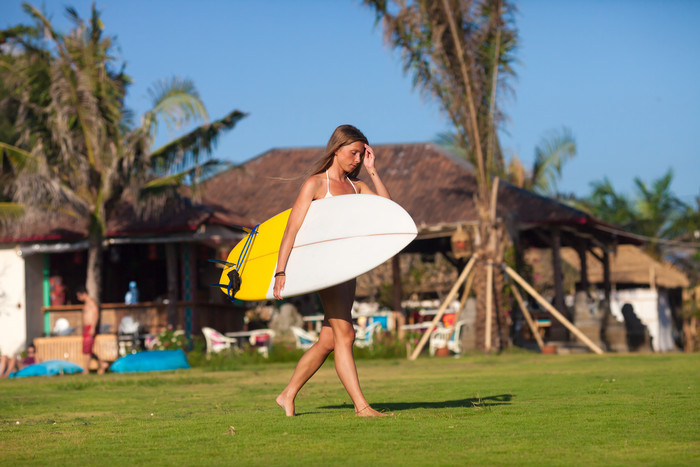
341,238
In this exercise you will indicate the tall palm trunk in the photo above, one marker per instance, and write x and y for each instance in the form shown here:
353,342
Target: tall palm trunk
480,318
93,282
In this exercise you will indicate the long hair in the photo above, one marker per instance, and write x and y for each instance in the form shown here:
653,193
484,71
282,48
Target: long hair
342,136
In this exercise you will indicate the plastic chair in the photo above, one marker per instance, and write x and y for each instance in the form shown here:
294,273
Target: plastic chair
216,342
447,337
128,335
364,337
304,339
261,339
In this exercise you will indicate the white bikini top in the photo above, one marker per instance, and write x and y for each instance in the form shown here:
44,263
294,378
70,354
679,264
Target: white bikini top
328,184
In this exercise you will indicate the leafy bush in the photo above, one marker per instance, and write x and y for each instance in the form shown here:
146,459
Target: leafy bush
170,340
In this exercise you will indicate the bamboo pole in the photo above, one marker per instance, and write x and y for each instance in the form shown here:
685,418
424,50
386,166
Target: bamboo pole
463,301
526,313
467,289
528,288
455,288
489,304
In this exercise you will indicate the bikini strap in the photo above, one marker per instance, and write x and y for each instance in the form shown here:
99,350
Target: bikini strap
328,185
353,185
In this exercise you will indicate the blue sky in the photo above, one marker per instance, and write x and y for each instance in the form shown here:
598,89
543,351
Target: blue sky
622,75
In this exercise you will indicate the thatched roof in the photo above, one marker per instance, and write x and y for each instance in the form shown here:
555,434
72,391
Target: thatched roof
180,216
435,187
629,265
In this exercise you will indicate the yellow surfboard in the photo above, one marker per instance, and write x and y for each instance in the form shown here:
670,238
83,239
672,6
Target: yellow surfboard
341,237
258,265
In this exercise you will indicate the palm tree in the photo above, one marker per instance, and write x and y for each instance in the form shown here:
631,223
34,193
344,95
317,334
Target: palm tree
460,52
75,151
553,151
653,211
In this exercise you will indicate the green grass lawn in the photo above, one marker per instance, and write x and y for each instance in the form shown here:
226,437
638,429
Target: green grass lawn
513,409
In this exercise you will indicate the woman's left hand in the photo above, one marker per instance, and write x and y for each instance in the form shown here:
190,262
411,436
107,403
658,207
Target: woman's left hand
369,159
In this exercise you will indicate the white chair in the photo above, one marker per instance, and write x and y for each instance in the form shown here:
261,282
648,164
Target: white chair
364,336
261,339
304,339
450,337
216,342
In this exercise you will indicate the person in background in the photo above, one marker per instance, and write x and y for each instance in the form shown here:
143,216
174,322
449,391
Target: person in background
132,295
90,318
9,365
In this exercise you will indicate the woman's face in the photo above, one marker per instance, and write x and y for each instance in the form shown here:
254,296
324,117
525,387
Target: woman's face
350,155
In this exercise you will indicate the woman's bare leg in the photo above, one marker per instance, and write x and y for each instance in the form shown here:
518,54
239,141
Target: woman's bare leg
308,364
337,305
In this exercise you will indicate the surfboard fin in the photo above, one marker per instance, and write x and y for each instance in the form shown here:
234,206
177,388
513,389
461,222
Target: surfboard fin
220,261
241,228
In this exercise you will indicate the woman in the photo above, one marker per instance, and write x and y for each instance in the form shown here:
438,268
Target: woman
335,174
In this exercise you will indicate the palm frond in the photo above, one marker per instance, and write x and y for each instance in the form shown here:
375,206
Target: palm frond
176,101
553,151
18,159
184,152
11,211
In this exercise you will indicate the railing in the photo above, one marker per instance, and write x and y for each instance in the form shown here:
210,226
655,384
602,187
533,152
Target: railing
71,348
152,316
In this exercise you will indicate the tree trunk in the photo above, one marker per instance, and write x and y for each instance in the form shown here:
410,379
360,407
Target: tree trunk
501,328
480,292
93,282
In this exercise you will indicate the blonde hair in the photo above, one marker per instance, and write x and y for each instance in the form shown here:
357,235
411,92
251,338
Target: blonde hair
342,136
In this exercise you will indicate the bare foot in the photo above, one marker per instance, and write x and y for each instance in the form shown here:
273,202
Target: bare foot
287,405
103,368
370,412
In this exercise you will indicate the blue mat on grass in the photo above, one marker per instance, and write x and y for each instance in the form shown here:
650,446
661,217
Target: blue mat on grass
154,360
48,368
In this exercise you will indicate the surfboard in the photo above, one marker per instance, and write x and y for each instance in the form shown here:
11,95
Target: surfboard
341,238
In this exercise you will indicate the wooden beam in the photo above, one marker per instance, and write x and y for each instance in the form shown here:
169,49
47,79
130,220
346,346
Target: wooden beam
443,307
528,317
541,300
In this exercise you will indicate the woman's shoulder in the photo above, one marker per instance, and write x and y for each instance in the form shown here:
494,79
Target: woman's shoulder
316,180
314,183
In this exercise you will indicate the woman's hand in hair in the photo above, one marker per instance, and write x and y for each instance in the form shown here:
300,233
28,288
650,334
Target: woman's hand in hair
369,160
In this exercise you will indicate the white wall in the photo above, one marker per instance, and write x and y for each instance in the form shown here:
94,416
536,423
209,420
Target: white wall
651,307
13,311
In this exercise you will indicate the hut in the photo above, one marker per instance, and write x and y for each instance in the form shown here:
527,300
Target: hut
437,190
43,263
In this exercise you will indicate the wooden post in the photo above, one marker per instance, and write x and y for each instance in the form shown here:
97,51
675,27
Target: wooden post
489,306
443,307
530,322
556,268
171,278
396,280
607,286
581,249
552,310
